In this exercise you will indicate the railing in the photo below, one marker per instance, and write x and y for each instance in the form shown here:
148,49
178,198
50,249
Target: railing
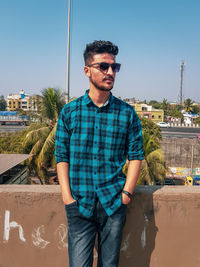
175,124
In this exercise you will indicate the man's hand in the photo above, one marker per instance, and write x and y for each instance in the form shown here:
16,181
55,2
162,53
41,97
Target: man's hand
63,177
125,199
68,200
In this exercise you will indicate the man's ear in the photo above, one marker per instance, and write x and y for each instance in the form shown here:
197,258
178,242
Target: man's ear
87,71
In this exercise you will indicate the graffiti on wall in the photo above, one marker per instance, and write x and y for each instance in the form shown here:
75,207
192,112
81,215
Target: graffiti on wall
37,236
182,172
60,235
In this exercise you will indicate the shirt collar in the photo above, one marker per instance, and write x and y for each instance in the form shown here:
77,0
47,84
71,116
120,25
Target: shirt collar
87,100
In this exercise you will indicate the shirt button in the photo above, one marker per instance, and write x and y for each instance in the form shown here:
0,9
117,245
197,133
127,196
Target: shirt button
95,173
96,127
95,157
95,142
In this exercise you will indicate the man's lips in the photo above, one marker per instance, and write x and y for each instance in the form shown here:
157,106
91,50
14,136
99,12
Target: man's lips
108,80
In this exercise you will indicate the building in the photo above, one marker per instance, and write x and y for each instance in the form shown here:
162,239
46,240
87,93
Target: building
24,102
35,103
147,111
18,101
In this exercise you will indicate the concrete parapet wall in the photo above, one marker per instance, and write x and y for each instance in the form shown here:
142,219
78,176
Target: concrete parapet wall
181,152
162,227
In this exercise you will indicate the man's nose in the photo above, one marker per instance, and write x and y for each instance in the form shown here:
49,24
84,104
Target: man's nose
110,71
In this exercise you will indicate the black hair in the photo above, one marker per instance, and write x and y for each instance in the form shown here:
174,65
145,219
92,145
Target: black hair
99,47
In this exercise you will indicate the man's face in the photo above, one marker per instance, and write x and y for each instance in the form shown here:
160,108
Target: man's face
102,80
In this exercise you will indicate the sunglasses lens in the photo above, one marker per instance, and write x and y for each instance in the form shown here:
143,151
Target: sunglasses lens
116,67
104,66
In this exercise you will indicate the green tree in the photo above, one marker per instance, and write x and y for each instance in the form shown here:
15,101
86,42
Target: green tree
41,141
197,120
188,104
148,126
2,103
13,142
176,114
164,106
155,104
195,109
153,166
53,101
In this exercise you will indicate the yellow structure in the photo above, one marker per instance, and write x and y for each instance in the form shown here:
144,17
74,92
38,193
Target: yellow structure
18,101
188,181
147,111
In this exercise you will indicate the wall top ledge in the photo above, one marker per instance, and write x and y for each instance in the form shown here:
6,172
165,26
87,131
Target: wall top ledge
159,192
155,190
30,188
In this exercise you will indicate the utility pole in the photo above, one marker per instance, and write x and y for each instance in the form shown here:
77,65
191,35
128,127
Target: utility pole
68,55
181,86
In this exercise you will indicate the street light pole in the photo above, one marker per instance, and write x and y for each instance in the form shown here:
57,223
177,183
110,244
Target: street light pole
181,85
68,55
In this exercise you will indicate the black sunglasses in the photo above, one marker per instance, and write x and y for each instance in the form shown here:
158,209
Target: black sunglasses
104,66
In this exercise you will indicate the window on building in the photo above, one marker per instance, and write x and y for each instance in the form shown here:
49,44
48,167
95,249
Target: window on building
144,108
159,116
152,116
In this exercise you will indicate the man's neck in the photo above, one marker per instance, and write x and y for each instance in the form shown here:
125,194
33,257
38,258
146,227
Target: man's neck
98,97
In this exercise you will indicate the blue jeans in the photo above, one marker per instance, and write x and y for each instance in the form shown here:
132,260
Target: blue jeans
82,233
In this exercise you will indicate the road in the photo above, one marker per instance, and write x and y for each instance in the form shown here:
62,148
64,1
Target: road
12,128
181,132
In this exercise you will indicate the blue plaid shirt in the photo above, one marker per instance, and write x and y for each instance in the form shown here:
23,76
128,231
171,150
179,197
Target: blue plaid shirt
96,141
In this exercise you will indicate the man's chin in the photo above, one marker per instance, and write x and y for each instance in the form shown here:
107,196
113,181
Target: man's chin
105,89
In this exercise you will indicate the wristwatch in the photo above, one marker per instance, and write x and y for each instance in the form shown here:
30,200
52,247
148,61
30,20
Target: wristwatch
127,193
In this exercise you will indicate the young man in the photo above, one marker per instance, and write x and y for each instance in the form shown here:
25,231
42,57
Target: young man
95,135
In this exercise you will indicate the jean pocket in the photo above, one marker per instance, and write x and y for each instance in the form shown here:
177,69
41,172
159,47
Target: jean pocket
74,203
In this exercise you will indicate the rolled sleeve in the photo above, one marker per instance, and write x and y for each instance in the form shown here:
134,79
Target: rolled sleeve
62,139
134,138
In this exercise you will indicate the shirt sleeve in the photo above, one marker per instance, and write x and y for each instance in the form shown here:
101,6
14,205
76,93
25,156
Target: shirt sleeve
62,138
134,138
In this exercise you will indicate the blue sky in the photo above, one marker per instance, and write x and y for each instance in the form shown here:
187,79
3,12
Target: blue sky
153,37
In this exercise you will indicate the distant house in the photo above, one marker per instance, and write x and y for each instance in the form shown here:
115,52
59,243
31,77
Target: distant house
23,101
18,101
189,118
147,111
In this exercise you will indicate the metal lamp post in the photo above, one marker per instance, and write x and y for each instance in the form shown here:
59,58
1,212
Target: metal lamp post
68,55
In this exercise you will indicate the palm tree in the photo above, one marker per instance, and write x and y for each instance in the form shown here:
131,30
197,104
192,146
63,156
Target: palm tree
53,102
153,166
188,105
41,141
164,106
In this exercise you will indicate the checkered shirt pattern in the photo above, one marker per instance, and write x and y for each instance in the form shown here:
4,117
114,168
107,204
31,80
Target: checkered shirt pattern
96,142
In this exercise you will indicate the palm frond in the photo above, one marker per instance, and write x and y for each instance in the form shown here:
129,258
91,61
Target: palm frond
144,177
47,150
33,136
37,147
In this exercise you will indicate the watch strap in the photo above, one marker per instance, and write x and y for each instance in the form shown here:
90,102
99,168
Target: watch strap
127,193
